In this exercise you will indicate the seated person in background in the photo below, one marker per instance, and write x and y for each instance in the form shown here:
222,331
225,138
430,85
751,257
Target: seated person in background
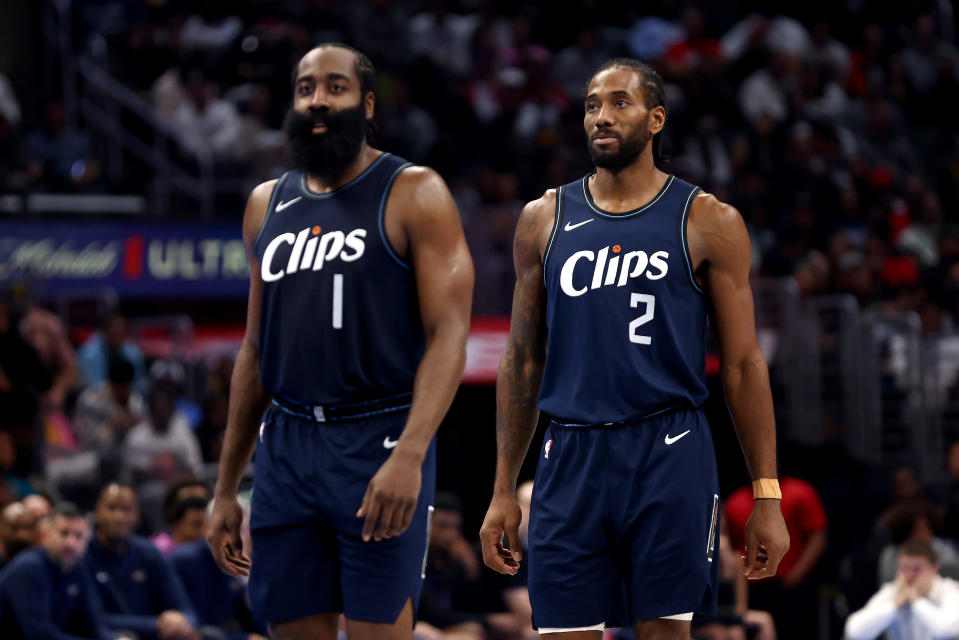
189,521
453,603
102,346
918,605
39,506
218,599
19,530
170,376
917,520
104,415
139,590
157,450
46,333
177,491
46,593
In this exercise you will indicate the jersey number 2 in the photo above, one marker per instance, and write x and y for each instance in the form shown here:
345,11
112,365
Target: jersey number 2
634,325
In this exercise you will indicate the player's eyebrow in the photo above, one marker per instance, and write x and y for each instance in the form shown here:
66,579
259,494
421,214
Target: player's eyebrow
330,76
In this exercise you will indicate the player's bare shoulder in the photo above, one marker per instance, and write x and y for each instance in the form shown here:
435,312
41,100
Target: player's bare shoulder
256,209
419,194
535,225
714,228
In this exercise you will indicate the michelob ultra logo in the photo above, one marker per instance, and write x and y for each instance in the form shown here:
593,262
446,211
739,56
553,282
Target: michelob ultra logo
311,250
607,272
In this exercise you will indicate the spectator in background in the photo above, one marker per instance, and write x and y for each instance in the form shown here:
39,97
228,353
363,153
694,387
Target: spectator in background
169,376
105,414
577,62
19,530
139,590
189,521
204,123
916,520
178,491
791,595
39,506
46,333
58,157
47,592
23,381
157,450
452,598
101,347
918,605
218,599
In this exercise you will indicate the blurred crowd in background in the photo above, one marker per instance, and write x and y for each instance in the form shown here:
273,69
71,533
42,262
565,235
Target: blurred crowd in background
830,126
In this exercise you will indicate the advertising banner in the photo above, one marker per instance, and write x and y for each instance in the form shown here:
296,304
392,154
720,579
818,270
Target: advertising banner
137,260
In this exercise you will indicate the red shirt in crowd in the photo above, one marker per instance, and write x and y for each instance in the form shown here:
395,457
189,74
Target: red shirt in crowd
802,511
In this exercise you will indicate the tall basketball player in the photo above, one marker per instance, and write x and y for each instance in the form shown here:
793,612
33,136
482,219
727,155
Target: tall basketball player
360,288
616,273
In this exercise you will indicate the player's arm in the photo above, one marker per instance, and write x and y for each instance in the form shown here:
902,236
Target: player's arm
436,246
518,383
719,235
248,401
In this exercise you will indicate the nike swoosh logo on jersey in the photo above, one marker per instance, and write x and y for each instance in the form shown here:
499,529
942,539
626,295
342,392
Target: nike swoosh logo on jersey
570,226
283,205
389,444
670,441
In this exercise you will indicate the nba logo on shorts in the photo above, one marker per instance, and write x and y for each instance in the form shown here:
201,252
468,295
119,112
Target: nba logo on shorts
549,445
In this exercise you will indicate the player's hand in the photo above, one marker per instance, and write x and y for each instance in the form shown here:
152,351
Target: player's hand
391,496
767,539
502,518
223,536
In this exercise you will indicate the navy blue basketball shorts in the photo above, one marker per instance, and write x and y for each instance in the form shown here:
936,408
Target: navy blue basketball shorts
308,553
624,523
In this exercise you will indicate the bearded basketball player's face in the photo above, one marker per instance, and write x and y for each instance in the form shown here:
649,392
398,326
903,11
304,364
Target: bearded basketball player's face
327,123
618,124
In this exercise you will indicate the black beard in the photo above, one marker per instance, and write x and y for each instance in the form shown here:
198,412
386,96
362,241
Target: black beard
629,150
326,155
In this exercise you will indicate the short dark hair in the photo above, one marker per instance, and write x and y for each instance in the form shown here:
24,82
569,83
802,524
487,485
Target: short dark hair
171,497
363,68
66,510
919,549
181,507
654,92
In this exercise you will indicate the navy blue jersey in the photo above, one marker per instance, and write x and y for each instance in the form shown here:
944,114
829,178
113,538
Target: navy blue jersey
626,319
339,318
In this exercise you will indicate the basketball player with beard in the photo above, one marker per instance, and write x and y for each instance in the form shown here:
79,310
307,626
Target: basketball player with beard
359,308
616,273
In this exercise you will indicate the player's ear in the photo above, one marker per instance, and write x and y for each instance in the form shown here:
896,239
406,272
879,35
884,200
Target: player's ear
657,119
369,103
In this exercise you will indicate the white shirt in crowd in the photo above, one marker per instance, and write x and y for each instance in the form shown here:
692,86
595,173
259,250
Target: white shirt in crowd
933,617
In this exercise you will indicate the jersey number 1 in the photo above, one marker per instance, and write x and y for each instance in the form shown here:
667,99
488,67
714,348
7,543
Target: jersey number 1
634,301
337,300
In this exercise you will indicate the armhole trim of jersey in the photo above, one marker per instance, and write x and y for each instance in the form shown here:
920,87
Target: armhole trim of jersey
683,240
560,195
269,208
382,212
